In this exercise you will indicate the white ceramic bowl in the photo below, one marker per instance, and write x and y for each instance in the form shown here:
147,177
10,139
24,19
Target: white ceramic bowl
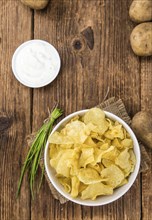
102,200
37,49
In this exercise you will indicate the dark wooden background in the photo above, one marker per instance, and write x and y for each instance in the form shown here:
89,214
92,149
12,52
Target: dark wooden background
89,67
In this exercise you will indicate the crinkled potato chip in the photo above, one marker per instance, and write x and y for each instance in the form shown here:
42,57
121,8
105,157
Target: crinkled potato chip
115,132
92,155
123,159
66,182
127,142
87,156
89,176
97,156
107,163
98,167
77,131
124,181
113,174
58,138
96,117
75,186
96,189
89,141
117,143
111,153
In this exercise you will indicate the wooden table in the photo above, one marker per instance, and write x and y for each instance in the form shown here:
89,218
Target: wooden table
92,37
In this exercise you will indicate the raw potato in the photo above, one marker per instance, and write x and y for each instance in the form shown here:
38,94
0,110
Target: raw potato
35,4
141,39
142,126
141,10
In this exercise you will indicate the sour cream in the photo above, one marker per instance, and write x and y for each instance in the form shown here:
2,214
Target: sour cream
36,63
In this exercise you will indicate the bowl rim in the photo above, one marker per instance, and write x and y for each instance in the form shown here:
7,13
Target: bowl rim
133,174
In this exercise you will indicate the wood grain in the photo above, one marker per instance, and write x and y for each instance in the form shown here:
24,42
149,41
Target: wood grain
83,80
92,38
146,104
15,104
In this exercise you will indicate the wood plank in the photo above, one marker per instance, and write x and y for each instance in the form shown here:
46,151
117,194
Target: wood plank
146,104
120,71
83,81
15,105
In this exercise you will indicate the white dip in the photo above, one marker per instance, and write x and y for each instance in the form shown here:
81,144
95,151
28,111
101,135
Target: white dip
36,63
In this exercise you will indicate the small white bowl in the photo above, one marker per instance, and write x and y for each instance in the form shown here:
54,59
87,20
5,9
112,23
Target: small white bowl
24,76
101,200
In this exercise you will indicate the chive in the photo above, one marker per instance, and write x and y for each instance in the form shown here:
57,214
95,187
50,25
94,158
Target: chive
34,155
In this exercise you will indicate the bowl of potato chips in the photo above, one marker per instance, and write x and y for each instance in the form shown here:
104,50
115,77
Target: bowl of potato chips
92,157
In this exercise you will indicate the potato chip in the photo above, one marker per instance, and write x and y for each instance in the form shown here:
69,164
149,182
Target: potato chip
97,156
117,143
107,163
127,142
90,142
63,162
113,175
66,182
53,150
115,132
74,163
110,122
65,146
87,156
77,131
75,186
108,141
132,160
123,159
82,187
58,138
98,167
104,146
111,153
89,176
95,136
124,181
132,157
55,159
96,117
96,189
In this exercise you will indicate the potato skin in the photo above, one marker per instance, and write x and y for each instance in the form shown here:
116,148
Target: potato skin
142,126
35,4
141,11
141,39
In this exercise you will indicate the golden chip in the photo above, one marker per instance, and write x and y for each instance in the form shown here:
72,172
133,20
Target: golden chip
75,186
96,189
66,182
115,132
127,142
87,156
111,153
113,174
123,159
107,163
89,176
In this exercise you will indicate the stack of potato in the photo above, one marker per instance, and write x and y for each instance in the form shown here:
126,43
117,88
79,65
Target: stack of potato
141,36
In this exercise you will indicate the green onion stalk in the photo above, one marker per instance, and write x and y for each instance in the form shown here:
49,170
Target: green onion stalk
34,155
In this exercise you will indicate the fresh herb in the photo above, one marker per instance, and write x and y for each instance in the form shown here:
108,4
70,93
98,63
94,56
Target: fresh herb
35,152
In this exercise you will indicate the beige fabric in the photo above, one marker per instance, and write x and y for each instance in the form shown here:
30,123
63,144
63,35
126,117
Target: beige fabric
116,107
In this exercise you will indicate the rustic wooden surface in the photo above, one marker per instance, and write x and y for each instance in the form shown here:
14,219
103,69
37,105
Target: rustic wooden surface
92,37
